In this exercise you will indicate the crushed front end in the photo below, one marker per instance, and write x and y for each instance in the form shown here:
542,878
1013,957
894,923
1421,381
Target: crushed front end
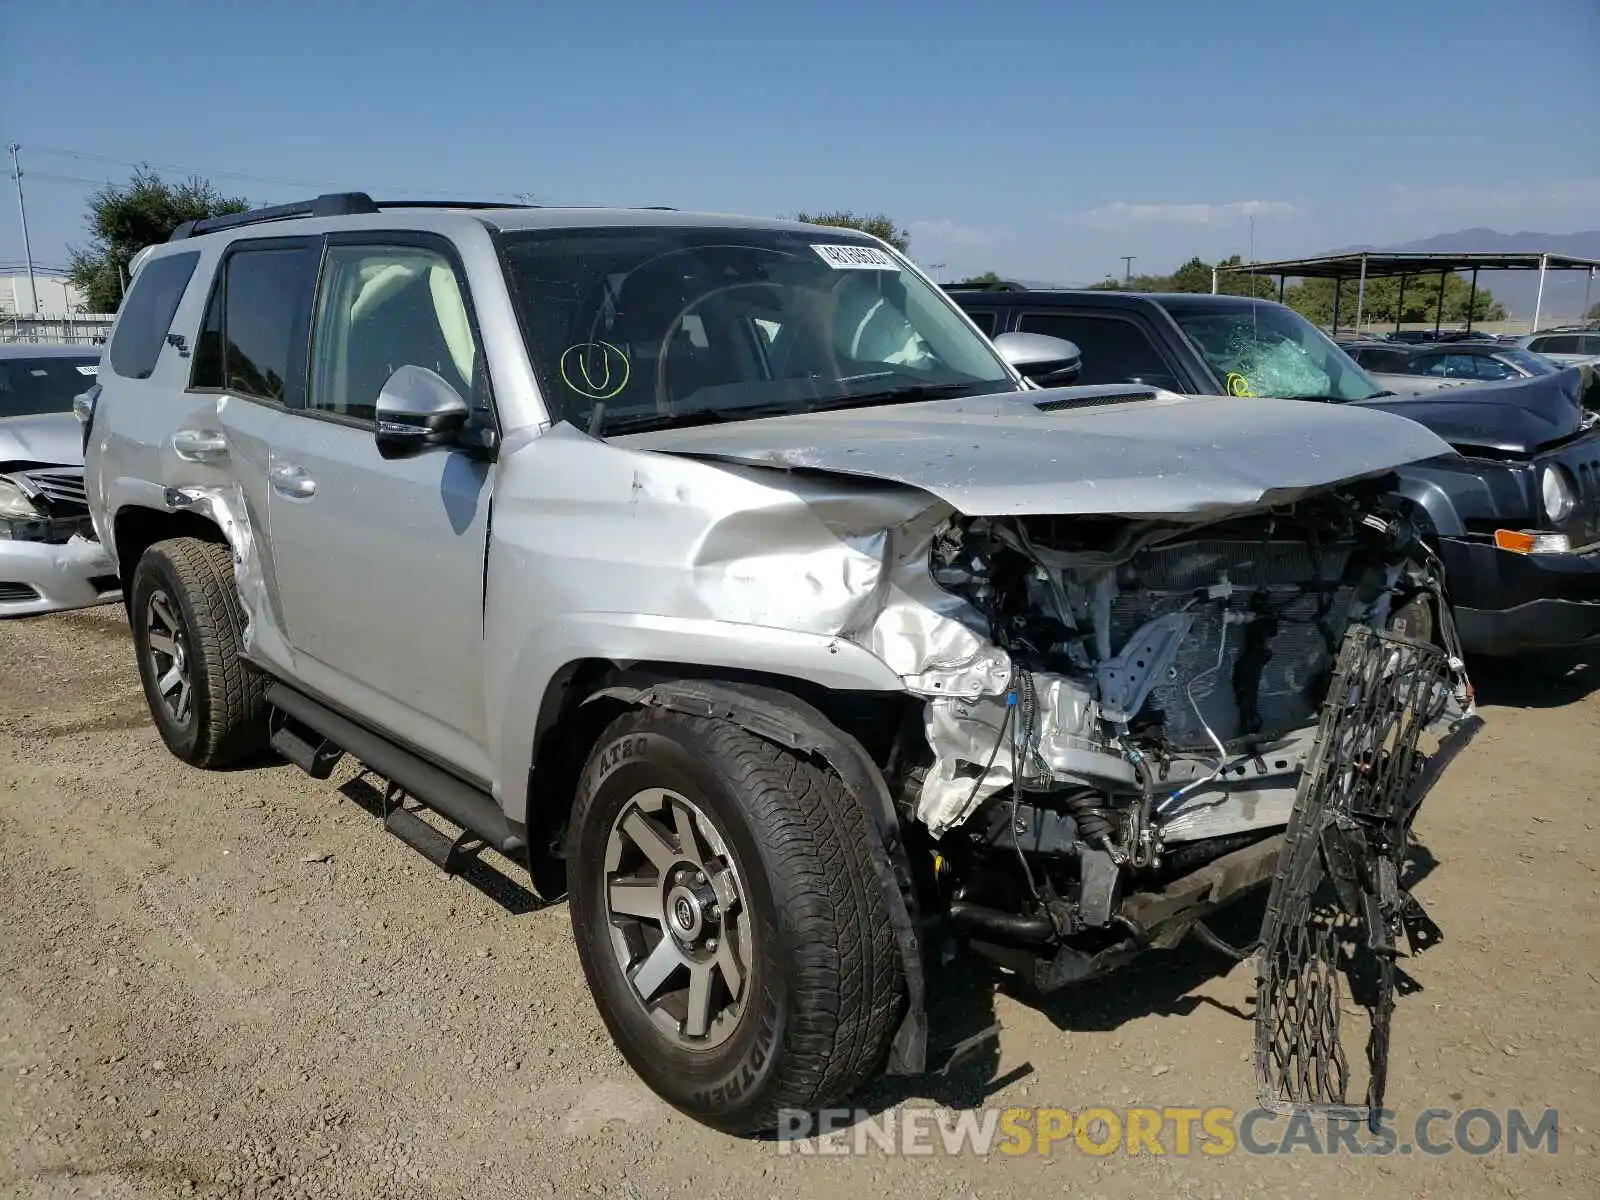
1122,751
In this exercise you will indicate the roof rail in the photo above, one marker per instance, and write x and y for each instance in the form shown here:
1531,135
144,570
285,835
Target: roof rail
473,204
999,285
330,204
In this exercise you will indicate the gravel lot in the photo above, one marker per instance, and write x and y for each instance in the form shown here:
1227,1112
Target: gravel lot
238,984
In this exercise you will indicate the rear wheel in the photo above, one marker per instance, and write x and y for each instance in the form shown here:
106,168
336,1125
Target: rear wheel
206,701
730,925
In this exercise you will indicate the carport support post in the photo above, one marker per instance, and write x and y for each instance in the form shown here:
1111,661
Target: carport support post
1338,286
1472,298
1361,294
1284,279
1538,301
1438,313
1400,304
1213,281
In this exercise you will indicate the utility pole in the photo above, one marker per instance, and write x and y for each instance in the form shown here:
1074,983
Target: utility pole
1127,268
22,210
934,269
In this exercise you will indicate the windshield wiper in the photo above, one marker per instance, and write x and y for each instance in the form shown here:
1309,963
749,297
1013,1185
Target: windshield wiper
906,394
684,418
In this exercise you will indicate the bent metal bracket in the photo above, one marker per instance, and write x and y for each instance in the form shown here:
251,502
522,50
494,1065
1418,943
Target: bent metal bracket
1339,900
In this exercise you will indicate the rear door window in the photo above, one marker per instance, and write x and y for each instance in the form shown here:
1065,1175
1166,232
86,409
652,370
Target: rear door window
147,313
1114,349
253,340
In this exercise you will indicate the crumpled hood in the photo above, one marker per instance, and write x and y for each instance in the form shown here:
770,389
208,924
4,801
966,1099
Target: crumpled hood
1190,457
1515,418
51,439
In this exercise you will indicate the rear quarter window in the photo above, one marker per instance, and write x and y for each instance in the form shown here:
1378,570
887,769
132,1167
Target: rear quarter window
1556,345
147,314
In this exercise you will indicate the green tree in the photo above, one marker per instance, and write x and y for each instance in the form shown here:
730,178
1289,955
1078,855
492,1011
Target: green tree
124,219
978,281
1593,314
1241,283
1381,302
1193,276
879,225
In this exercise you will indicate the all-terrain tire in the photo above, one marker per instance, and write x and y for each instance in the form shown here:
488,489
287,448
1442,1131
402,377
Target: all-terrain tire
226,719
826,988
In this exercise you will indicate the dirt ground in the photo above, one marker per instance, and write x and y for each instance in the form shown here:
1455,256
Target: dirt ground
239,985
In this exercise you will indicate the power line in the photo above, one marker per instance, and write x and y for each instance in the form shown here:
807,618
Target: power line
242,176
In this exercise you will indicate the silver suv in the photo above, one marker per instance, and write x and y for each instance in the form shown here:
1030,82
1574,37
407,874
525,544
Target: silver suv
721,573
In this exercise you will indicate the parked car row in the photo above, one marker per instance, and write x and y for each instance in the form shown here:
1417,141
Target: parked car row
1408,368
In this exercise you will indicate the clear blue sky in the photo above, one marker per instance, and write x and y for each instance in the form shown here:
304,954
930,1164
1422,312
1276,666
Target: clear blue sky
1042,138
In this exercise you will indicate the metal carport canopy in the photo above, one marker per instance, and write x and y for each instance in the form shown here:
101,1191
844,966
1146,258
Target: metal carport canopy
1377,264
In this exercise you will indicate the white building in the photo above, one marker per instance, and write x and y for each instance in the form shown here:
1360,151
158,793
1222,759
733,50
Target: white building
56,294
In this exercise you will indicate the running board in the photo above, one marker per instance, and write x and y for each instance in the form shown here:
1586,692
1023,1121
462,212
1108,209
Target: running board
305,748
314,738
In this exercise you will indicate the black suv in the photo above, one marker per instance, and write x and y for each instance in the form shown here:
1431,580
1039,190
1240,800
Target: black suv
1515,512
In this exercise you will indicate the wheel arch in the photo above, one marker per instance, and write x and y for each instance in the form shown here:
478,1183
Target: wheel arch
795,714
137,527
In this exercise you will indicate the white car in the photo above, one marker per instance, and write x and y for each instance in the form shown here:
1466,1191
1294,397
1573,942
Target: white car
1568,347
50,560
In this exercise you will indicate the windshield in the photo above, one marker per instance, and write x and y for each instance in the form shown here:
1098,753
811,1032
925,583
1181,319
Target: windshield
30,386
1265,349
637,328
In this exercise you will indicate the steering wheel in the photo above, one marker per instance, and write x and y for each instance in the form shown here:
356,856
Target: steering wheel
807,311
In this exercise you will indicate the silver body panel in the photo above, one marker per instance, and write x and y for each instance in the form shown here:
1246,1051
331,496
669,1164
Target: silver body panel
1184,457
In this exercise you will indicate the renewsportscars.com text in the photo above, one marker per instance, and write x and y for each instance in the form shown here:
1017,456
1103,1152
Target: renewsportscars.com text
1177,1131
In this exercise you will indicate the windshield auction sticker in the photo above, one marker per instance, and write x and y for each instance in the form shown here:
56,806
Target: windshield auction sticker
855,258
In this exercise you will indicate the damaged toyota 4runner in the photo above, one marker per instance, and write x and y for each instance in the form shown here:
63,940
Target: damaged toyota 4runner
721,573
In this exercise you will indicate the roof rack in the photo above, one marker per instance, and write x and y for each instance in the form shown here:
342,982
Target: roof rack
330,204
999,285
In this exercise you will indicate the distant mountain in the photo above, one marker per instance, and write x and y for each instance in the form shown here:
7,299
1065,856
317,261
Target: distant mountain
1517,290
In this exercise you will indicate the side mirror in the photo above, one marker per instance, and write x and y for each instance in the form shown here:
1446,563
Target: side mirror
1047,361
418,409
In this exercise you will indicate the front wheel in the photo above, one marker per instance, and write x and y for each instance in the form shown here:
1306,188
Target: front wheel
737,942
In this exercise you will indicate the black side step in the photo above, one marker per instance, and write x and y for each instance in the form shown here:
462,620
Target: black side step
447,853
408,774
306,749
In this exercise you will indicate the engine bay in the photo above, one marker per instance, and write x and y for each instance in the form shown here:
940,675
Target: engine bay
1166,683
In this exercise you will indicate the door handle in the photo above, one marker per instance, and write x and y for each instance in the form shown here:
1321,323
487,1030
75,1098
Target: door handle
200,445
291,480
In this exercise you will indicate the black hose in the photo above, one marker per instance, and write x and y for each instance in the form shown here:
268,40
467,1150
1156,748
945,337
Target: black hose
1092,819
1014,927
